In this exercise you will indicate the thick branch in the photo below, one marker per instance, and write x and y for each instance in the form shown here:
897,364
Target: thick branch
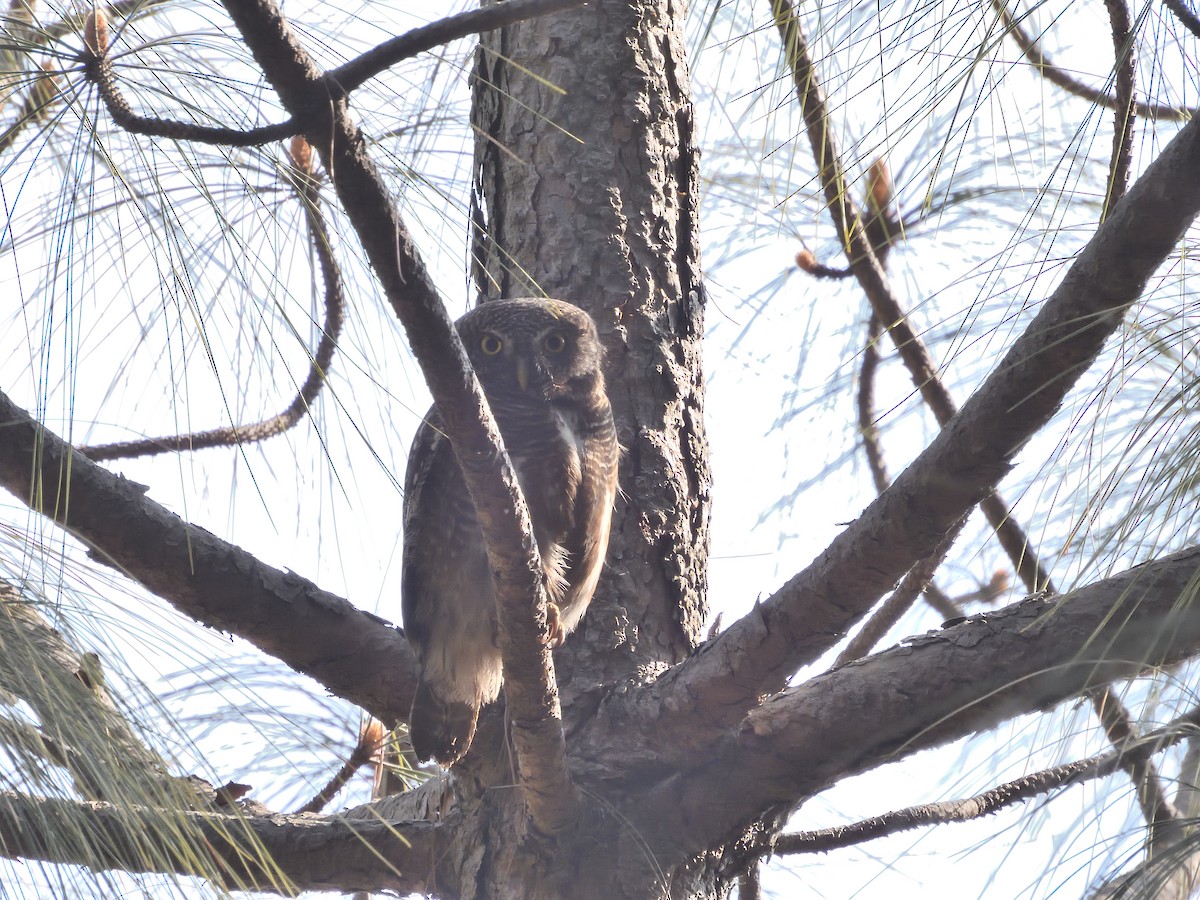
530,688
283,853
926,692
354,654
968,457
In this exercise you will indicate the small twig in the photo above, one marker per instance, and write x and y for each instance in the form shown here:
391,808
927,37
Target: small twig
98,69
905,595
807,262
866,406
351,75
1157,808
1063,79
1007,794
942,602
369,739
1124,106
1186,17
307,187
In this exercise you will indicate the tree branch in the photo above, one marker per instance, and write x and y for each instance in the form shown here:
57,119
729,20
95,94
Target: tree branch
928,691
903,597
530,688
98,69
991,801
354,654
350,76
867,428
308,187
1186,17
1063,79
962,464
279,853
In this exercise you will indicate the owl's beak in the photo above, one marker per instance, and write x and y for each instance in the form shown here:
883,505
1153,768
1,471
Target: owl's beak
523,372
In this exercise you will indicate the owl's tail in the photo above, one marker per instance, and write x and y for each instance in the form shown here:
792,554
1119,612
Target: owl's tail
440,729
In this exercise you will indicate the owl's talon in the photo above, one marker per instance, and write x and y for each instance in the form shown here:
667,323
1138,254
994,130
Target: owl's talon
554,626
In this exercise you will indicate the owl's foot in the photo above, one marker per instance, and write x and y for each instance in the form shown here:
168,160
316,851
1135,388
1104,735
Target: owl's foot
554,621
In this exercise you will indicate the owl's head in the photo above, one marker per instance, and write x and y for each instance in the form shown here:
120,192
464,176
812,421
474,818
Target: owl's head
532,346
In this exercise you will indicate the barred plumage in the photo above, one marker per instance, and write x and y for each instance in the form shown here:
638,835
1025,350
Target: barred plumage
540,364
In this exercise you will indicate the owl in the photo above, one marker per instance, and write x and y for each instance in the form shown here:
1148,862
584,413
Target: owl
540,365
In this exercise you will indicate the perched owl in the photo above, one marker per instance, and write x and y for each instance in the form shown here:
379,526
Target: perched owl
539,362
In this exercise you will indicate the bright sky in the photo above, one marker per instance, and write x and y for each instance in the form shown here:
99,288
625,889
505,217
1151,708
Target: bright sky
770,352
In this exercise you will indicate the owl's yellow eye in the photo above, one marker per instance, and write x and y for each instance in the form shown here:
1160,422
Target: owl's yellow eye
491,345
554,343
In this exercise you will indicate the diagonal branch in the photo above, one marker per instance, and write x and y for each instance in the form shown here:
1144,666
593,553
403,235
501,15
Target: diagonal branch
1185,16
968,457
930,690
911,587
530,688
354,654
867,268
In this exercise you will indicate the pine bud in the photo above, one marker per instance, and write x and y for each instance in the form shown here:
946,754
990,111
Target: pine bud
95,32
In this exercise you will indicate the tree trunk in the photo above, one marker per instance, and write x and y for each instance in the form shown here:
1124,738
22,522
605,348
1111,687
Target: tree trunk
587,175
587,190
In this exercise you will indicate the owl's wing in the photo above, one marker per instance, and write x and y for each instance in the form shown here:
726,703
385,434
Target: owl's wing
447,600
425,474
587,539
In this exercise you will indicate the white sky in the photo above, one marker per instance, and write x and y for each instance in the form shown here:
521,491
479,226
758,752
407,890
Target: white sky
336,521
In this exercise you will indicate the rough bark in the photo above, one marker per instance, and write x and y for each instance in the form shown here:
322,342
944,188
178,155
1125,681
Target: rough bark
929,690
588,189
589,177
